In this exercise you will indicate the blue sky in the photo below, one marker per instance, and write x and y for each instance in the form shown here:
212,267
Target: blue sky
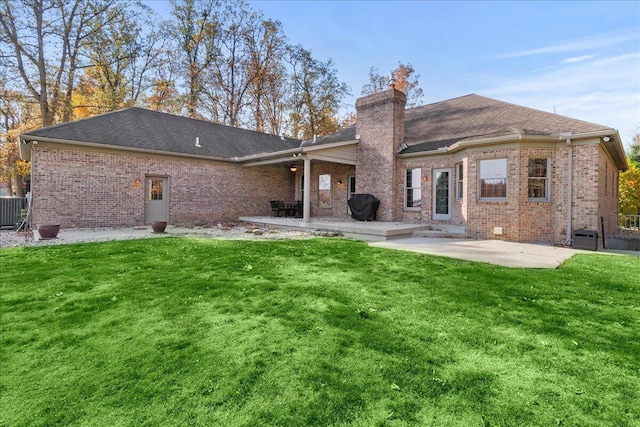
579,59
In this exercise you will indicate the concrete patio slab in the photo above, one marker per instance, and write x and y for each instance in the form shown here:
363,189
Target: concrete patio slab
498,252
370,231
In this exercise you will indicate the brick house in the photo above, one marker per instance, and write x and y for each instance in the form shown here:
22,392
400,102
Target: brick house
501,170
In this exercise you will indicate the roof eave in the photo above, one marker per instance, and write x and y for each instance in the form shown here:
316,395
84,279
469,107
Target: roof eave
309,148
465,143
302,149
503,139
26,140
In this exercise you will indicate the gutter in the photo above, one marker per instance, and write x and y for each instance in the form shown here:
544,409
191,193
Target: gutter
27,140
256,159
465,143
478,142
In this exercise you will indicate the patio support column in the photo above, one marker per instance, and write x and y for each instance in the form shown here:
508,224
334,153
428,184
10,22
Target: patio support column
306,199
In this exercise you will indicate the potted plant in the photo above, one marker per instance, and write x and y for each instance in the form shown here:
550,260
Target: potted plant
48,231
159,226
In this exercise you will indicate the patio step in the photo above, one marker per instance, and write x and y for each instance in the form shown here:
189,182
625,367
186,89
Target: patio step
370,231
623,242
443,231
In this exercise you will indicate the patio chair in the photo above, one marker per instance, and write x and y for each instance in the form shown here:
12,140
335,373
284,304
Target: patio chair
297,210
277,208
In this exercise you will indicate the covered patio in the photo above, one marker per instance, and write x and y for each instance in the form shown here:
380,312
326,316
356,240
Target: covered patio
322,173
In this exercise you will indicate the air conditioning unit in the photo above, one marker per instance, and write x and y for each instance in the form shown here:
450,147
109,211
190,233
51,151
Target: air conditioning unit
585,239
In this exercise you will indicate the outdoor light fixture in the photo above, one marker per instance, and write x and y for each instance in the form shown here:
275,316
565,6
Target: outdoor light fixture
339,182
293,167
606,139
136,183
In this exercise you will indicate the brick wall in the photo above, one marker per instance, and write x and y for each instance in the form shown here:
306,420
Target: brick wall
425,212
82,187
607,194
380,125
338,172
520,218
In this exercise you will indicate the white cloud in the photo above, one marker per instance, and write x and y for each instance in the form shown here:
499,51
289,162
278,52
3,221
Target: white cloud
589,43
605,91
575,59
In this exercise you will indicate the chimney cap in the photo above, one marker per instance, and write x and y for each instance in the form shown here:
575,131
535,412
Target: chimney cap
392,81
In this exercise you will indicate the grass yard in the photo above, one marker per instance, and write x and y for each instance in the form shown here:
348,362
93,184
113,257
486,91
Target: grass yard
320,332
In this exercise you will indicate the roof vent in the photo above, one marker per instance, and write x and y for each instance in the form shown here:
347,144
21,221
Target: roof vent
198,141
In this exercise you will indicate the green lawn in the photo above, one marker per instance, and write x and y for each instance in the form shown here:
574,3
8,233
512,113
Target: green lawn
319,332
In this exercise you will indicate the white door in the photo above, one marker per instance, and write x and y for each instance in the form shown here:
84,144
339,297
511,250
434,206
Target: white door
441,194
156,200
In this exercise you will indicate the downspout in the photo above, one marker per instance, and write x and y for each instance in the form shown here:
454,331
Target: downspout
567,135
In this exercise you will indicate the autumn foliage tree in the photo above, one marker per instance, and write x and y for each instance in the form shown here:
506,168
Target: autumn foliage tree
13,120
217,60
406,80
629,182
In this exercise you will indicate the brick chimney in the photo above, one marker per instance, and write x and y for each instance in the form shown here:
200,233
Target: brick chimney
380,126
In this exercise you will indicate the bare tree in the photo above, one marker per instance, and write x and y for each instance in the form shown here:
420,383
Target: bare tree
196,28
44,38
228,77
317,95
121,59
266,46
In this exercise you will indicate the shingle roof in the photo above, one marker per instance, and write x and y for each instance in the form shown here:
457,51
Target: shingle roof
345,134
427,128
444,123
153,130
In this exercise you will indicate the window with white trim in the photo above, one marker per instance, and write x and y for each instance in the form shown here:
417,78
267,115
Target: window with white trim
538,182
492,179
413,188
459,180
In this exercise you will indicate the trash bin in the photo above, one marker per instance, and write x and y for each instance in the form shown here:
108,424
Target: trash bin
585,239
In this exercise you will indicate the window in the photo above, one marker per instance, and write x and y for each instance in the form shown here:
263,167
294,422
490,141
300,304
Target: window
155,189
413,190
459,180
324,190
493,179
538,179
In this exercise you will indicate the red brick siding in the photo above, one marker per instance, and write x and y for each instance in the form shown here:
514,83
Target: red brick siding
536,218
521,220
338,172
607,194
380,126
425,213
87,188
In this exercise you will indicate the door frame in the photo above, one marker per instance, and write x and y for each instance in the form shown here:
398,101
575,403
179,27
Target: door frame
165,198
350,178
436,216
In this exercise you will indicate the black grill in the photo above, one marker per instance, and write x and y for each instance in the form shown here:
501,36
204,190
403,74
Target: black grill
363,207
